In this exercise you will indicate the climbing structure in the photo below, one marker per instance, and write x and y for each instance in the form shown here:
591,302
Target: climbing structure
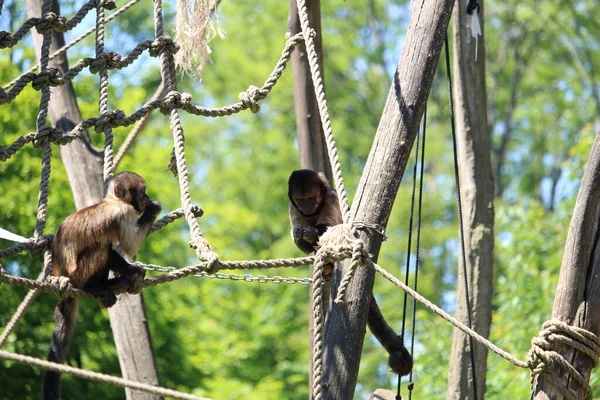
338,243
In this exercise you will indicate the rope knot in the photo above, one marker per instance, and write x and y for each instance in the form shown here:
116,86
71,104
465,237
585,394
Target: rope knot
163,43
6,40
108,4
250,98
49,77
175,99
110,119
541,359
108,60
51,21
46,134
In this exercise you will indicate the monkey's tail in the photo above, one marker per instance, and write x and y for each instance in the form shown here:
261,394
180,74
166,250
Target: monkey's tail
65,316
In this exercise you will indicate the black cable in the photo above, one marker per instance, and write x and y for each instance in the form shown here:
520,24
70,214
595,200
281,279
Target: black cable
409,246
460,222
411,384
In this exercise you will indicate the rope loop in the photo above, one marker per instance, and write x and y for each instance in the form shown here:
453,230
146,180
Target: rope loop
46,134
6,40
110,119
107,4
49,77
250,98
51,21
163,43
106,60
541,359
173,100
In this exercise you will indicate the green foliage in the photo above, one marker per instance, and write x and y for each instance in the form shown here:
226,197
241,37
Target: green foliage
232,340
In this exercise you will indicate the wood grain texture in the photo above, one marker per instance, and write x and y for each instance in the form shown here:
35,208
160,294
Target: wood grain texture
577,300
345,327
83,164
477,194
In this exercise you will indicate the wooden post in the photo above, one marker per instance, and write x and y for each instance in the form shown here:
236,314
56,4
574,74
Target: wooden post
345,327
577,300
477,194
83,164
309,130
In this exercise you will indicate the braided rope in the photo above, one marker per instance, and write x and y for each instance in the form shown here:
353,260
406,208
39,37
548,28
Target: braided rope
542,360
14,320
318,325
44,241
97,377
109,167
313,62
78,39
173,99
203,250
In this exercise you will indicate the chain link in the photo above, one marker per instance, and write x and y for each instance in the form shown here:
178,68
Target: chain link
234,277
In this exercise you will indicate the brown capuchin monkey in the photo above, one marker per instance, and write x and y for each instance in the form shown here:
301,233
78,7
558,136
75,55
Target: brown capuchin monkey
83,251
314,207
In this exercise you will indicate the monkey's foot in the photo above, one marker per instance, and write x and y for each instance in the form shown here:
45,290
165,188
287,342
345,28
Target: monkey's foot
400,360
135,281
107,300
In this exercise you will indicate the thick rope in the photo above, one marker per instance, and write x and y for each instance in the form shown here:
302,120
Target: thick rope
313,62
34,245
109,167
78,39
318,326
542,359
139,126
14,320
97,377
203,250
172,100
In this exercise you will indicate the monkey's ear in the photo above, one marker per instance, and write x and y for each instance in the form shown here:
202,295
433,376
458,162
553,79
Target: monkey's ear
119,190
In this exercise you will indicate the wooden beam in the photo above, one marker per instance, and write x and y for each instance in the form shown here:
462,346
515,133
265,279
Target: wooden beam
577,300
345,327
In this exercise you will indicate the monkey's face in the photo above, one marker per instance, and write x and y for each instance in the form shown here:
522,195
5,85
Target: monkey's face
131,188
308,203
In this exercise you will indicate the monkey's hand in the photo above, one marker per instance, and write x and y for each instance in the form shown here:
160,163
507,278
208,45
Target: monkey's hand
151,210
306,233
400,360
305,238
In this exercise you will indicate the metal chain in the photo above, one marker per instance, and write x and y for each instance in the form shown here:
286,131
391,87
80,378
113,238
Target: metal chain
235,277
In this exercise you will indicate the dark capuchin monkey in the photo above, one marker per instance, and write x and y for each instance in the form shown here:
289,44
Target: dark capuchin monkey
83,251
314,207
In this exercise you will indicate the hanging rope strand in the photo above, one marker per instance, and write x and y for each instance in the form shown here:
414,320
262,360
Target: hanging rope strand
313,62
417,252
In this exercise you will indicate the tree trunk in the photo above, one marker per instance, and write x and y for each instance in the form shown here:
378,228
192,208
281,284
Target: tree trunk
577,300
83,164
477,194
345,326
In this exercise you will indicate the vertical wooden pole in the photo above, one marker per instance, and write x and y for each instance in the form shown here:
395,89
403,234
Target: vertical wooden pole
577,300
477,194
345,327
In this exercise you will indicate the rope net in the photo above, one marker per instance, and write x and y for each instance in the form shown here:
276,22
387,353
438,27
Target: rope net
337,244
